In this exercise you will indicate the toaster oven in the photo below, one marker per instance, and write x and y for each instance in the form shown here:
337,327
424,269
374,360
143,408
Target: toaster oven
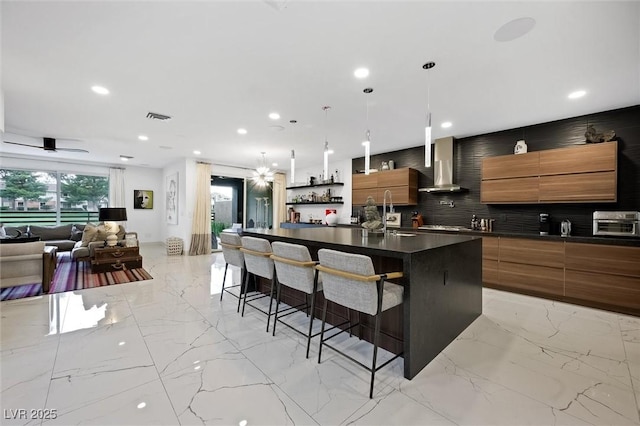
619,224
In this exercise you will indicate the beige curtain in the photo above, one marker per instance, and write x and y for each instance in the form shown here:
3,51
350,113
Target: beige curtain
201,227
279,199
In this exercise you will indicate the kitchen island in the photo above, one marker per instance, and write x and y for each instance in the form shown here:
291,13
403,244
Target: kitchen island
442,281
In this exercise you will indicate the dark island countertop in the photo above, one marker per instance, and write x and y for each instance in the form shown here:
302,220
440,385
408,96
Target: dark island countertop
616,241
405,242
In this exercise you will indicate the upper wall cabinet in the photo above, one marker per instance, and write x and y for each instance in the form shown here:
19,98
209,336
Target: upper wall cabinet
580,174
402,183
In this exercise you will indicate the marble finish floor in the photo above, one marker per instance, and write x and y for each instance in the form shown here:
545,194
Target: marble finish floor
167,351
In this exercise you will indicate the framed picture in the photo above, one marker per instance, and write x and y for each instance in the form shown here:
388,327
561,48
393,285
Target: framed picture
393,220
142,199
172,199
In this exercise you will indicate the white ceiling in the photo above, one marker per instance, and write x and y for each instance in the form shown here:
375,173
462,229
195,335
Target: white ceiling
216,66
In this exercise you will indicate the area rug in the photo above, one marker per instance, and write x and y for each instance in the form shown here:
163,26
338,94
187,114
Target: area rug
64,279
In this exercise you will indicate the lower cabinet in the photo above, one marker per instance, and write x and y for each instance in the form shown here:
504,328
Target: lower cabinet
532,278
597,275
490,260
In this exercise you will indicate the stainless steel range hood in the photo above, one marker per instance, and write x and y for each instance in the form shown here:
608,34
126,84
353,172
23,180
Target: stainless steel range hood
443,168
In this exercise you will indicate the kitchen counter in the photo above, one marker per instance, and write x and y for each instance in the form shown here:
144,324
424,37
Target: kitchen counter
440,298
453,230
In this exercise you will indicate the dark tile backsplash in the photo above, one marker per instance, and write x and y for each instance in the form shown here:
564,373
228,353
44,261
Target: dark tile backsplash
468,155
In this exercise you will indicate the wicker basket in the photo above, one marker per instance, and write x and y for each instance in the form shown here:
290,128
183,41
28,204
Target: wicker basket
174,246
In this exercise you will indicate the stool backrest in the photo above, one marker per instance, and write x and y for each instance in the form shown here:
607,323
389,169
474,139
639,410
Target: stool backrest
356,294
231,243
256,256
298,274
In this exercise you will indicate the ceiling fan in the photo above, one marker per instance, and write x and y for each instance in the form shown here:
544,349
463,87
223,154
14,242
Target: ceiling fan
49,144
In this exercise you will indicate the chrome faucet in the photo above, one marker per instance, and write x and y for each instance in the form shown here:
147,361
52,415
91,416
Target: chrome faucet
384,209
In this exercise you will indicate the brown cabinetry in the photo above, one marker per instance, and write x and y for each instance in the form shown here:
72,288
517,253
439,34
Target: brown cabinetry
577,174
598,275
607,275
490,260
403,184
531,265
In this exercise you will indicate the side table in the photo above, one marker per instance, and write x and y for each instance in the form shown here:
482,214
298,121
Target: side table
49,263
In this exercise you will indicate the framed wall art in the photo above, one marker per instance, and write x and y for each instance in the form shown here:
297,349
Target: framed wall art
172,199
142,199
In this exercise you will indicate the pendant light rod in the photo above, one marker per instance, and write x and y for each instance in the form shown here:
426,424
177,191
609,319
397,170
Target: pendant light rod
427,127
367,142
325,175
293,155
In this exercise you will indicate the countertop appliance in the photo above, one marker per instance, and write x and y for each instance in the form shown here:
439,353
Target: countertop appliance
619,224
565,228
544,223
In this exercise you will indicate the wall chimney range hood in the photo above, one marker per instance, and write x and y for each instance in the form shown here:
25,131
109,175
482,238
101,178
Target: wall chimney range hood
443,168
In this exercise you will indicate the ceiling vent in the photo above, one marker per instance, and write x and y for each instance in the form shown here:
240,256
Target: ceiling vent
156,116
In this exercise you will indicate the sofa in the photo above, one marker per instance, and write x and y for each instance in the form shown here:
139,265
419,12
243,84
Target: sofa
64,237
21,264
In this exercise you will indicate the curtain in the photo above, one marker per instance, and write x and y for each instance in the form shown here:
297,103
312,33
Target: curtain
201,227
116,187
279,199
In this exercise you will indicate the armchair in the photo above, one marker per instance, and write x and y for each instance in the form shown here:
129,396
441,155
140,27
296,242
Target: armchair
22,264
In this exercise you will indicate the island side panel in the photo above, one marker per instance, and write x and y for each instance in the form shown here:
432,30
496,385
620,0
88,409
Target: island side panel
444,298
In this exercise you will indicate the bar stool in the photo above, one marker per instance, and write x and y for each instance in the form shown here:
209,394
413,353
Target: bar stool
350,280
257,260
296,269
231,244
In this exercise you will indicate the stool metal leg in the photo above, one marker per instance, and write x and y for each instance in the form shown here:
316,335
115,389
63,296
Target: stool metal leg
224,278
313,306
246,290
375,352
274,281
275,319
324,319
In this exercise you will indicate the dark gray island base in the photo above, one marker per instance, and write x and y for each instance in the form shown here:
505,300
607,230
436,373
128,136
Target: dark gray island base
442,281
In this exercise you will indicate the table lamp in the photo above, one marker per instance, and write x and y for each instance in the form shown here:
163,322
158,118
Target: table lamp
111,215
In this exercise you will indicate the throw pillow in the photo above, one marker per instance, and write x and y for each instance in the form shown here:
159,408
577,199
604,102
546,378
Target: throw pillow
89,235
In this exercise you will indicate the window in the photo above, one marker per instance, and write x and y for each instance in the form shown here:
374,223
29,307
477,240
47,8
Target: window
50,198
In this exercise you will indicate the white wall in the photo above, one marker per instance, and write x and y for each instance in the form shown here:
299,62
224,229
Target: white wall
147,223
186,170
318,211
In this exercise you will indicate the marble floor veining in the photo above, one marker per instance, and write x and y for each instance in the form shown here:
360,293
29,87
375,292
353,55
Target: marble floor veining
168,351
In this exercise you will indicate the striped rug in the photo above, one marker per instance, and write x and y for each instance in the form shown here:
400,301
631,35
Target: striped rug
64,279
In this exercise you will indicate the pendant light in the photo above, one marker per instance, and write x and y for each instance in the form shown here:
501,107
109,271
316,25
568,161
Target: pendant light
427,127
367,142
326,145
262,175
293,155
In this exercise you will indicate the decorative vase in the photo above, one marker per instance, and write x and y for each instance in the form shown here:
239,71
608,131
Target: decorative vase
331,219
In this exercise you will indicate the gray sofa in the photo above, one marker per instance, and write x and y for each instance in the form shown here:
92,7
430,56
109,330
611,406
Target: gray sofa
64,237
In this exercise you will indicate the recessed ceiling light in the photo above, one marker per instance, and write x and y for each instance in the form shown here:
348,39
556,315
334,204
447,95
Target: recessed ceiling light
274,164
196,152
143,137
514,29
100,90
142,405
361,73
242,131
446,125
577,94
330,151
274,116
